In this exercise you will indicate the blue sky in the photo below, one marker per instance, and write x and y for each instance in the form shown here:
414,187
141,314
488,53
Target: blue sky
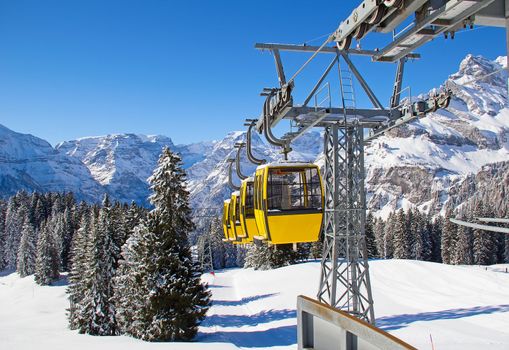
184,69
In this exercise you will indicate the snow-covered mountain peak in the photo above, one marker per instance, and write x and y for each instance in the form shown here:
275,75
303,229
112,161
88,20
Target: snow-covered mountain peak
502,61
14,145
30,163
480,72
415,165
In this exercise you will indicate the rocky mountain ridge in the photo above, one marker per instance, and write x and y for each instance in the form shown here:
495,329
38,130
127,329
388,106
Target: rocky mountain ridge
414,165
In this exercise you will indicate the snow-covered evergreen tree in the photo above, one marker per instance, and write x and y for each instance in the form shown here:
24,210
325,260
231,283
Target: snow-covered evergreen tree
435,229
3,209
483,241
265,257
67,234
47,260
130,283
462,254
258,257
316,249
57,227
13,226
78,283
26,252
101,268
506,252
370,237
401,249
388,240
242,252
378,230
448,238
411,234
173,299
217,245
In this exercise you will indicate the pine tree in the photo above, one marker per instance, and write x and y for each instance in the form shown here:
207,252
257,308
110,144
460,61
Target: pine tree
483,242
506,253
217,245
26,252
462,254
78,283
411,235
175,301
448,238
13,226
378,229
3,210
420,243
370,237
316,250
435,229
258,257
401,249
67,234
47,260
265,257
241,255
57,228
301,254
389,236
101,268
130,283
40,212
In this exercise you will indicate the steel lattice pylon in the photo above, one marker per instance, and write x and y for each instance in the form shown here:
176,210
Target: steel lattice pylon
344,279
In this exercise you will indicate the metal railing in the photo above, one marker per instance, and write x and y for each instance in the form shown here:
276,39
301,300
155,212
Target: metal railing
321,327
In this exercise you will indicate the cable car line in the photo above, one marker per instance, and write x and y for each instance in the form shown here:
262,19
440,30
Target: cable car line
480,226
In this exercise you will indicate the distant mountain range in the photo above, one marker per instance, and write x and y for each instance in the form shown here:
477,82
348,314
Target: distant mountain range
415,165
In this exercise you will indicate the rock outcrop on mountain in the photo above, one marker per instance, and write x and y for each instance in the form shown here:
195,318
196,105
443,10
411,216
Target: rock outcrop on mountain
417,164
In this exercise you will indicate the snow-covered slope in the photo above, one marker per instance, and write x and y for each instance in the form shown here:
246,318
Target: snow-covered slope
30,163
461,307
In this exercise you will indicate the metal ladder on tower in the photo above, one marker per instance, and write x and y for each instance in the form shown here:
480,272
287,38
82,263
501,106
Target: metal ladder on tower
346,89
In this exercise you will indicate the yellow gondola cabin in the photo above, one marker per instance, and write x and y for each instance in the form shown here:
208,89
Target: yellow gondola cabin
247,218
288,202
238,232
227,229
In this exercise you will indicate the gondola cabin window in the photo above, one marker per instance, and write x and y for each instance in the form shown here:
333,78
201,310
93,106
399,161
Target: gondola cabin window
249,200
237,210
294,189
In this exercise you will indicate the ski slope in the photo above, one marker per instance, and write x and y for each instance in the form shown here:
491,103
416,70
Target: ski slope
461,307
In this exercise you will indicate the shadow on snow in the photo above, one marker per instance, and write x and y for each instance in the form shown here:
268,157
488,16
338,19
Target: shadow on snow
279,336
248,320
241,301
390,323
5,273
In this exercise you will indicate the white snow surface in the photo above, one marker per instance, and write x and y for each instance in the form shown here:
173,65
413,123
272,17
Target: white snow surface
461,307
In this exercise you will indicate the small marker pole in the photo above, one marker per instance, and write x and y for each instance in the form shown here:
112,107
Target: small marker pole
432,345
